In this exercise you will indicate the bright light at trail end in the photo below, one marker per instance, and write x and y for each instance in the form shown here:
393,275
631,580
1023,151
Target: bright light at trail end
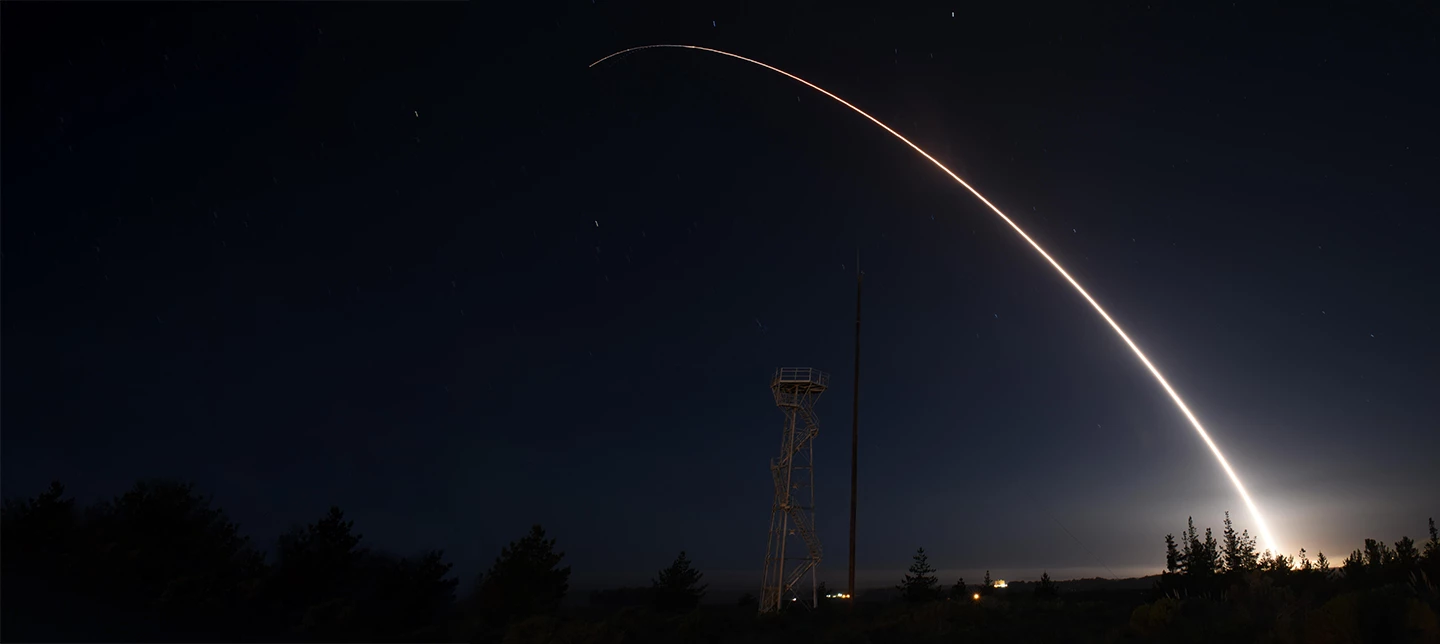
1194,422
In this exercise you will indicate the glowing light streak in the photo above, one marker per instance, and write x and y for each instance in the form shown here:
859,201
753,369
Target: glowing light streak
1184,409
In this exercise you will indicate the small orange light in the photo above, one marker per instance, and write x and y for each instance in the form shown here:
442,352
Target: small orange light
977,597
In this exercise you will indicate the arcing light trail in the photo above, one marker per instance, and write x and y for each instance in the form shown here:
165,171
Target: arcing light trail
1194,422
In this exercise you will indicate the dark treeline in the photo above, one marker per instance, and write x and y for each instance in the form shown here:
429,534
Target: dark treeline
920,585
1225,589
159,563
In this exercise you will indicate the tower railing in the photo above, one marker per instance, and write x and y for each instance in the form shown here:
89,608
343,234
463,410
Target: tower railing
801,374
794,547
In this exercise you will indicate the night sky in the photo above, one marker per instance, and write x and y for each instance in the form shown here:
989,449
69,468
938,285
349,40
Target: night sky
418,261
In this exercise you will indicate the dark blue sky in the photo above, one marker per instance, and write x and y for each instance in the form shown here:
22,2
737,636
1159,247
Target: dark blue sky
416,260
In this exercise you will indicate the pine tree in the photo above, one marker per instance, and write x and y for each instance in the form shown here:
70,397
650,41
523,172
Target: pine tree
1211,550
1406,556
987,586
1321,563
318,568
1266,561
921,584
959,590
1378,554
1304,560
1354,562
1046,589
1231,551
1249,556
1191,549
1432,546
1172,554
1430,555
1281,563
45,528
677,588
185,563
526,579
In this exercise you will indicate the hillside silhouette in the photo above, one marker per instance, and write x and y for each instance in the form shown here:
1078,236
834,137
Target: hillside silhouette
160,563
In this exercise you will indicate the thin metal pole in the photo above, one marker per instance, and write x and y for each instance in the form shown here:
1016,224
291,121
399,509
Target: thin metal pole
789,443
855,430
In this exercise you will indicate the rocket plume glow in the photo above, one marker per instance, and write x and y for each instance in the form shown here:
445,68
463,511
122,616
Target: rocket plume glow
1194,422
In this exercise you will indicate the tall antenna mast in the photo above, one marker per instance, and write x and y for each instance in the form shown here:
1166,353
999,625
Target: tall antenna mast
855,430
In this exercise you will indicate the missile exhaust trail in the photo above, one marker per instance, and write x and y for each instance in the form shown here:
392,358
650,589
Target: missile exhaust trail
1194,422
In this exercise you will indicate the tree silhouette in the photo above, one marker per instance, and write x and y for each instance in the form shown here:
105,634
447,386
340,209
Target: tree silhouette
1199,558
1211,553
1430,554
959,590
1249,556
1202,565
1190,547
317,576
1046,589
1406,555
326,587
1277,563
39,527
678,588
158,563
1379,596
402,598
987,586
525,580
1231,558
1355,563
1432,546
1172,555
170,565
45,563
1378,554
921,584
